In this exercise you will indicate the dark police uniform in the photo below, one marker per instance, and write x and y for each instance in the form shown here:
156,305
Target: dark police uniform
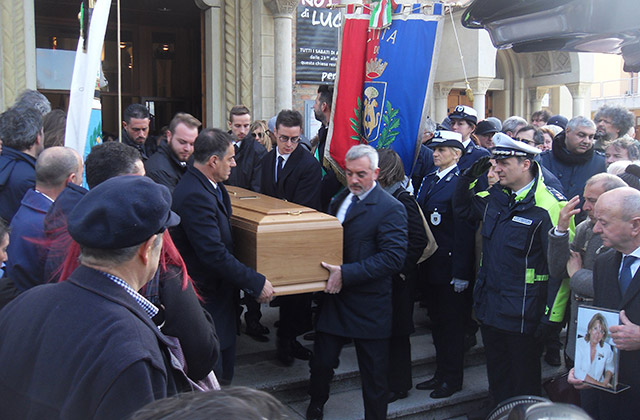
453,258
513,296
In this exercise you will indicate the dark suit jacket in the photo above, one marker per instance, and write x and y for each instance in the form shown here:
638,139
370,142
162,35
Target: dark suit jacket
607,295
404,288
26,265
374,249
205,241
164,167
246,173
55,230
17,176
299,182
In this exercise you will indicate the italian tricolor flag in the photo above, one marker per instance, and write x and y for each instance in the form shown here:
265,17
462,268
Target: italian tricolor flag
381,14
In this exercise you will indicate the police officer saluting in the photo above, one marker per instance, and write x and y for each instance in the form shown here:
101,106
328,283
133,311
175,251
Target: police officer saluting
515,301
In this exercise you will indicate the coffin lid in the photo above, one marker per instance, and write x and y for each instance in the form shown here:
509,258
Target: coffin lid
268,206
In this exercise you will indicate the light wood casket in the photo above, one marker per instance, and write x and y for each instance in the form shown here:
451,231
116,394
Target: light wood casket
284,241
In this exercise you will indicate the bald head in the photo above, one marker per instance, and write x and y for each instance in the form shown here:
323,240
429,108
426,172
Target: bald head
57,166
617,215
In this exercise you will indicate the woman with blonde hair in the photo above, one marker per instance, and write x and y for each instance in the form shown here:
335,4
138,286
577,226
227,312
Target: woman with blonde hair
259,131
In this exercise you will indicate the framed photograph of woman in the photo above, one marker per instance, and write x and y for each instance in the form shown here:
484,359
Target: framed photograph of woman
596,358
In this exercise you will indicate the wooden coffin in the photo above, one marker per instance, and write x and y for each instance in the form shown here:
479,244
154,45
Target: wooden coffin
284,241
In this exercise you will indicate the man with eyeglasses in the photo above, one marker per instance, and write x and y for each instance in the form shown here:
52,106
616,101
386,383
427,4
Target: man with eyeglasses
573,159
291,173
249,152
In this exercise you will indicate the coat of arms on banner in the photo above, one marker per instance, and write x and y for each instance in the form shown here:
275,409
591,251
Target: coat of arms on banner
383,79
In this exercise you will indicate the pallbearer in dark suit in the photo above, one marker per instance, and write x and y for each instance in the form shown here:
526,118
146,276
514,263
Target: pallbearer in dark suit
448,271
357,304
616,285
404,283
206,244
291,173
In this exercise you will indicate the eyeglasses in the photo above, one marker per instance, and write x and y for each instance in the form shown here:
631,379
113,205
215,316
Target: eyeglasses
285,139
258,134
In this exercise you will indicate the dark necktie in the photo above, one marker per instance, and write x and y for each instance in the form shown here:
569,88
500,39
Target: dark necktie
279,168
235,147
428,183
354,200
218,193
625,273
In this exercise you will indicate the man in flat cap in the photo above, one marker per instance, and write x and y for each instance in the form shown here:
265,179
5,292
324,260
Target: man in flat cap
515,300
87,348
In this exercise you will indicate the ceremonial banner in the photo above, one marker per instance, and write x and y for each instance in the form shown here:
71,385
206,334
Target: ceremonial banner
384,80
83,83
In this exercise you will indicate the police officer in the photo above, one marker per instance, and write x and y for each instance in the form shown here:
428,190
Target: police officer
464,120
446,273
515,302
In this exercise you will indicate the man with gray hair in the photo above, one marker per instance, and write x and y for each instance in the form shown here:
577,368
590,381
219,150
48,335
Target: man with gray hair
616,286
23,140
32,99
357,301
511,125
575,259
573,158
55,168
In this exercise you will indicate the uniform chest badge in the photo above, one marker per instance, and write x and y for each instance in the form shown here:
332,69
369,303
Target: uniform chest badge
436,218
522,220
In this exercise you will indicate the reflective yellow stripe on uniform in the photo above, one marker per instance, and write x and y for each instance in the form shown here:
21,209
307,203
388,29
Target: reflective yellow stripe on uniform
531,277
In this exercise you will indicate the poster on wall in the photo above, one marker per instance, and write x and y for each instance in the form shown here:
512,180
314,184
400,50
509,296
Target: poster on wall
317,33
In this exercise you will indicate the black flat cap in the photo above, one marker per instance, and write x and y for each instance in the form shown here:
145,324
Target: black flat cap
558,120
486,127
121,212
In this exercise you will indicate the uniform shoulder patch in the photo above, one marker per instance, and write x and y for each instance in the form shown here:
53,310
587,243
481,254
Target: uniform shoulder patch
557,194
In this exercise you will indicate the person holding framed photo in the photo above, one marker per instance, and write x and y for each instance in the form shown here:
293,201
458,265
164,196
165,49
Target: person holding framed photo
594,362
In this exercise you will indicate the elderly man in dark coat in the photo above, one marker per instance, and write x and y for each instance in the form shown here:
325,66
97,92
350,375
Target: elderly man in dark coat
87,348
358,300
616,286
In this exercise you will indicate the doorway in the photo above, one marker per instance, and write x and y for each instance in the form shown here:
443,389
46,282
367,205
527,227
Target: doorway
160,50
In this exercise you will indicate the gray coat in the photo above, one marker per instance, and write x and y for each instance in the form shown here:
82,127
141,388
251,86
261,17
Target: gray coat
589,245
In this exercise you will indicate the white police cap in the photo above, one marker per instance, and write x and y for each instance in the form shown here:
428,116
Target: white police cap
443,138
463,112
505,146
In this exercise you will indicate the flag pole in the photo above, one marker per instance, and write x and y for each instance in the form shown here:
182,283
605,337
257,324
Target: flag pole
119,76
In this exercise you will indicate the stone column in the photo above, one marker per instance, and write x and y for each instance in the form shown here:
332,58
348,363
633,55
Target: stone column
283,16
17,49
214,114
479,87
441,95
535,98
579,92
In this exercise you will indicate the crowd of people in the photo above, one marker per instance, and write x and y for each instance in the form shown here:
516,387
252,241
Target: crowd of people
130,292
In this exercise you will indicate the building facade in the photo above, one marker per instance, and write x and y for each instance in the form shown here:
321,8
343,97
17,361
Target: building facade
204,56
